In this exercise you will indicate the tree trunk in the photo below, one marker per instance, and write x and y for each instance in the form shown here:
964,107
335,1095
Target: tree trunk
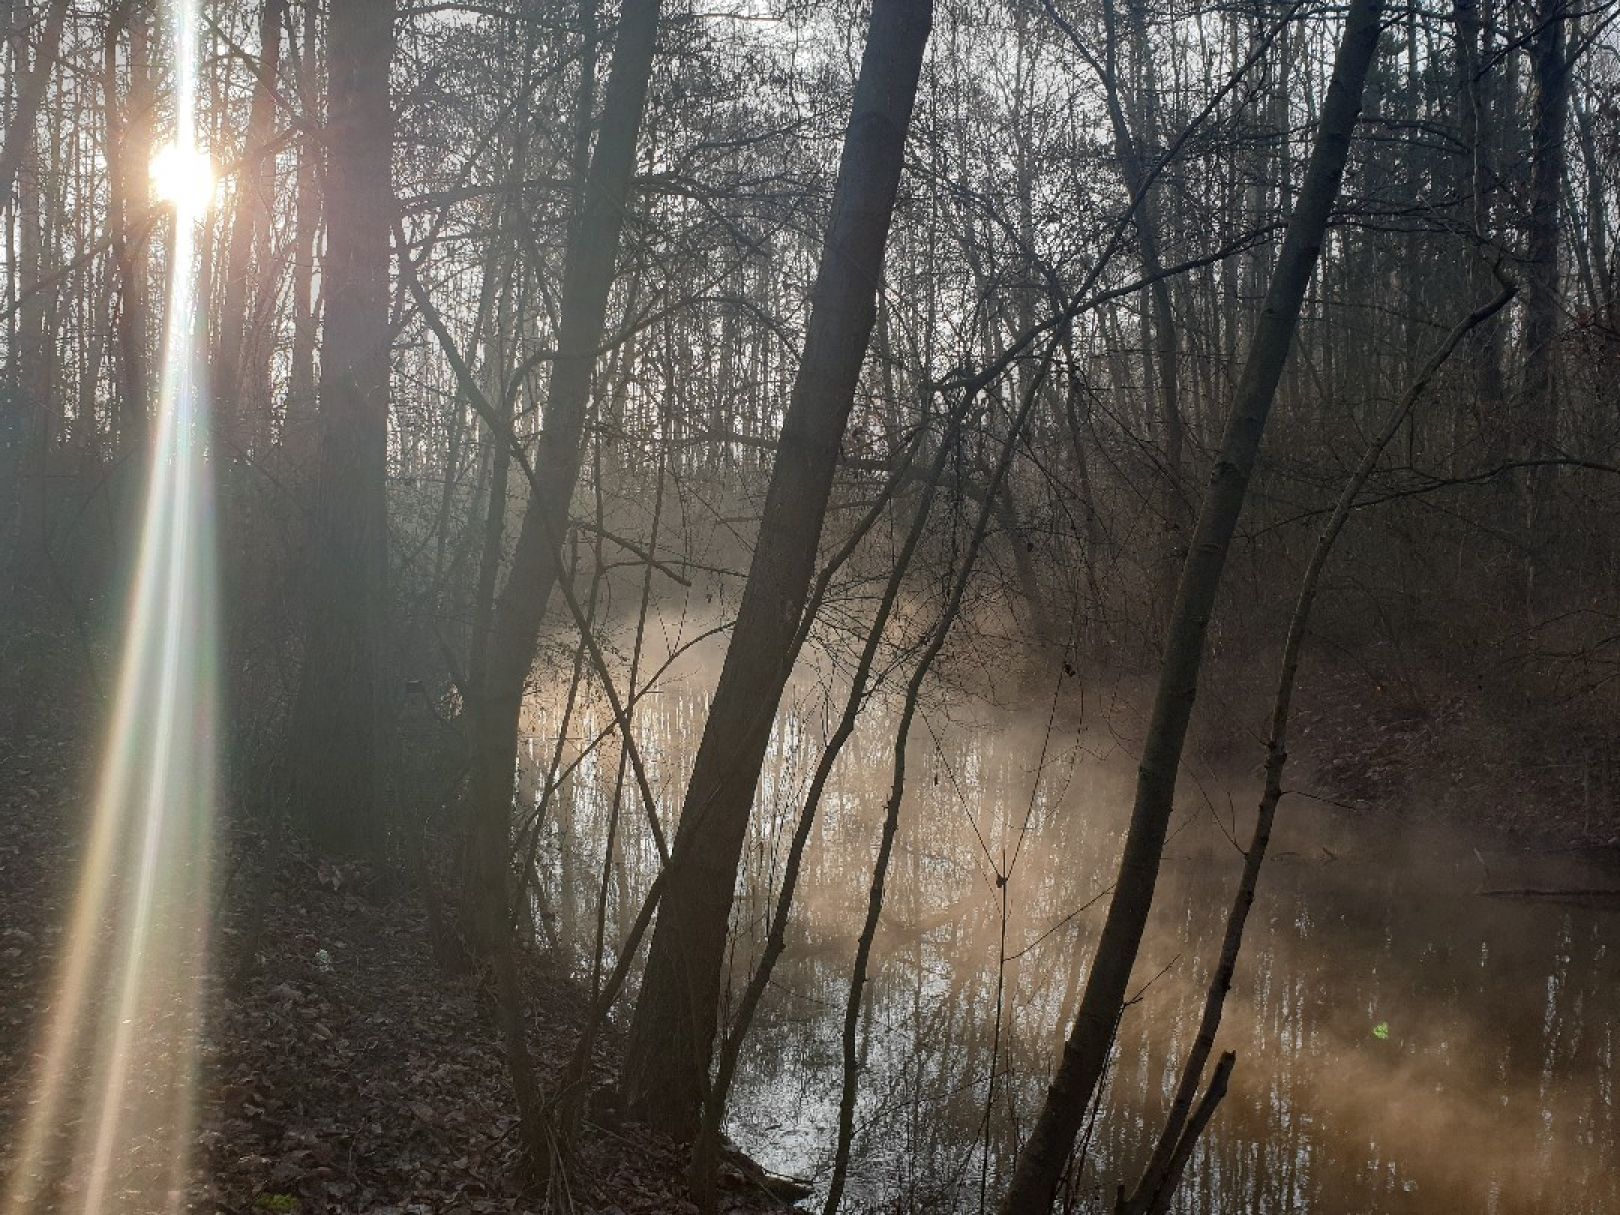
667,1056
239,403
298,420
333,733
1175,1141
1150,234
19,137
30,361
1040,1167
128,145
1549,61
1478,183
593,246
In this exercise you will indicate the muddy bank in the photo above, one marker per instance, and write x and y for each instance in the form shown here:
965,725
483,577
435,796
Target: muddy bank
1444,749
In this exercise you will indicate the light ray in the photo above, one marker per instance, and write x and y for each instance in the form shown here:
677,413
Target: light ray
111,1120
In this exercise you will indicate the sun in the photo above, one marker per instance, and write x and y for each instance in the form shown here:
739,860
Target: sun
183,177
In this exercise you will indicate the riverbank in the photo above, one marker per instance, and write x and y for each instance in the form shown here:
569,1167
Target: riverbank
1442,748
341,1068
344,1070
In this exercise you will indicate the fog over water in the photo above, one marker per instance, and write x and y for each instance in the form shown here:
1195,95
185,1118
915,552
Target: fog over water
1405,1043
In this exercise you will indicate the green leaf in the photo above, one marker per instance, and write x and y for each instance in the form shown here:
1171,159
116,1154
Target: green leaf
1381,1031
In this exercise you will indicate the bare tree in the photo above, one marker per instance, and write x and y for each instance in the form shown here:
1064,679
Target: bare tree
1549,60
1040,1165
592,252
1182,1125
129,139
671,1039
19,133
241,370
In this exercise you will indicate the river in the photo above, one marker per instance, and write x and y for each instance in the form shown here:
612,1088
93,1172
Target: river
1405,1042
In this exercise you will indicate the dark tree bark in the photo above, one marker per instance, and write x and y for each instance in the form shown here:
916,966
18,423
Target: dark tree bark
30,363
706,1151
1479,182
1150,234
506,654
333,732
1040,1166
1161,356
667,1056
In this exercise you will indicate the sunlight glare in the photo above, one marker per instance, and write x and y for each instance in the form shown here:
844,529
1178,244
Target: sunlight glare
183,177
111,1122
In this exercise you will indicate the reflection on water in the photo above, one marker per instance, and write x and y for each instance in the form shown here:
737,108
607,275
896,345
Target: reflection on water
1404,1044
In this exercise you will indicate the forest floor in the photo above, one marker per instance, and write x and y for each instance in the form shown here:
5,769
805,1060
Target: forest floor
342,1069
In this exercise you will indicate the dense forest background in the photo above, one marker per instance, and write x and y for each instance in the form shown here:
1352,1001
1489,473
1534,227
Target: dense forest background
892,358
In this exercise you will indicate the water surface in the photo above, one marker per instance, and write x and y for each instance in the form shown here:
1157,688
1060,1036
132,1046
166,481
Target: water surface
1405,1043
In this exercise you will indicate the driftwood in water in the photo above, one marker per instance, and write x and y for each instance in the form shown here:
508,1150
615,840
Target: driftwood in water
1584,897
746,1173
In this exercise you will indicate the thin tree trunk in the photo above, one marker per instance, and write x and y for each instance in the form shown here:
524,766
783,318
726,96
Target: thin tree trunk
496,702
1164,339
705,1155
1159,1180
1159,1204
897,787
1040,1166
237,403
30,358
299,417
128,137
1550,64
504,279
588,277
667,1056
1479,183
19,137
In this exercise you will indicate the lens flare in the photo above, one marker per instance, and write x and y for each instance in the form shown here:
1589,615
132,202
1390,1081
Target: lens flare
112,1116
183,177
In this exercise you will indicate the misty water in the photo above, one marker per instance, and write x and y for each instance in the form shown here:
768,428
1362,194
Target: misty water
1405,1042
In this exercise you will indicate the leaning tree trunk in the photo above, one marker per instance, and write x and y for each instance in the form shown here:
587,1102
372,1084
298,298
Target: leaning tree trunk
506,654
333,733
593,246
1181,1128
1040,1167
666,1062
